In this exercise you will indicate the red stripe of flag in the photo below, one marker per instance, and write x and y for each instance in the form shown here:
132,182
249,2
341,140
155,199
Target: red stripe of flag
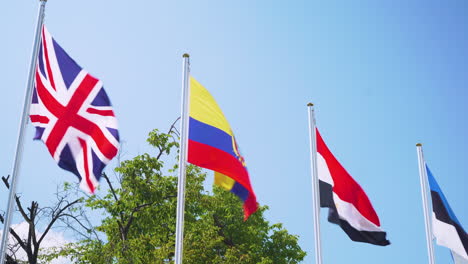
84,147
211,158
345,186
100,112
46,55
39,119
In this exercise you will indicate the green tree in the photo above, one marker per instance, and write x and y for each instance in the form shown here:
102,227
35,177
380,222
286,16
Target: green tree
139,219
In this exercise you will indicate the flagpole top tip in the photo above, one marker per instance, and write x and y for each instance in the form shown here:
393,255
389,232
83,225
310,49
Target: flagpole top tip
310,104
419,145
186,55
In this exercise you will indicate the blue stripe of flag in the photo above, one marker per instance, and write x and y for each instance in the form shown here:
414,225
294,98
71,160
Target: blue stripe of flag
211,136
436,188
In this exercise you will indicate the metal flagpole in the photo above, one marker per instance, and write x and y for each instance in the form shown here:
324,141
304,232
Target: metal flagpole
179,243
423,179
315,184
22,128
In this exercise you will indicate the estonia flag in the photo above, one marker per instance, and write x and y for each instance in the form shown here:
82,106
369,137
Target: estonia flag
348,204
445,225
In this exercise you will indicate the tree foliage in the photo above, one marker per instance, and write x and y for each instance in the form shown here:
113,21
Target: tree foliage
139,219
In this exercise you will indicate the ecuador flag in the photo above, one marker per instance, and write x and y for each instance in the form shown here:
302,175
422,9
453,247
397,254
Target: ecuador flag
212,145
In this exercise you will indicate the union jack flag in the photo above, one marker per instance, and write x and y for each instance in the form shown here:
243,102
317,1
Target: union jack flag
72,115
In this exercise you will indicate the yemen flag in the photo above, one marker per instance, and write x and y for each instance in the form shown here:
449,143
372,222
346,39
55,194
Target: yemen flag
212,145
348,204
445,225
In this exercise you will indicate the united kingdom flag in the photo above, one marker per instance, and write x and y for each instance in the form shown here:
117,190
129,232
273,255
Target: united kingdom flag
72,115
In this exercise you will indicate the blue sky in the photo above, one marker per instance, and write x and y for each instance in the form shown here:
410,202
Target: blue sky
384,75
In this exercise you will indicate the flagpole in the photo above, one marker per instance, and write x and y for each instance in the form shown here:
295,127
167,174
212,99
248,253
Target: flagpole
423,179
315,184
179,243
22,129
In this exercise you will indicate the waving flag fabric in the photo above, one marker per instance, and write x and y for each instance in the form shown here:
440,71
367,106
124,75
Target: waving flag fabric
348,204
72,115
212,145
445,225
459,260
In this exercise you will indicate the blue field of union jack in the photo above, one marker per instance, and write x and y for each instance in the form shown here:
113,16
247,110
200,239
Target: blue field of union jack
72,114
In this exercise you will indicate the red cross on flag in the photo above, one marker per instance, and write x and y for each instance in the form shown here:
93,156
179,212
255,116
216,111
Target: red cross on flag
72,114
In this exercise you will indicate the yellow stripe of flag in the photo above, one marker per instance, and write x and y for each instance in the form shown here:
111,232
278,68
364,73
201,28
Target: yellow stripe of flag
204,108
224,181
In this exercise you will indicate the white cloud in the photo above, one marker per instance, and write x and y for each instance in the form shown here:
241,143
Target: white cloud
52,239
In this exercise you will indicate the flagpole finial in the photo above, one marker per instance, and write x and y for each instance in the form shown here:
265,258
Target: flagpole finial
310,104
419,145
186,55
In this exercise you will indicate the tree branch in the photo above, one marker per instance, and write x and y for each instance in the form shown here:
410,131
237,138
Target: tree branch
54,218
110,186
161,150
137,209
20,208
119,222
130,219
5,181
218,223
18,239
173,126
32,225
77,220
